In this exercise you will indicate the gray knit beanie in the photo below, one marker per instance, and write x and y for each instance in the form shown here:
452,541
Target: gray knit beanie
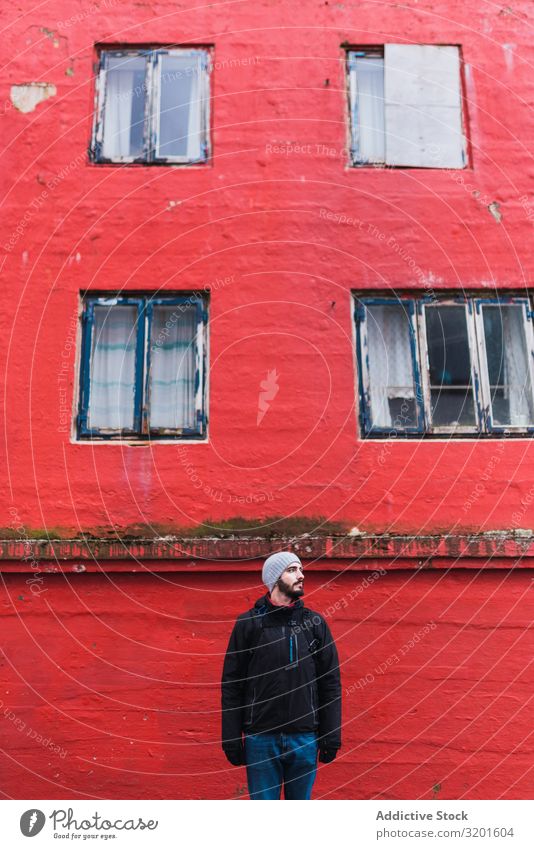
275,565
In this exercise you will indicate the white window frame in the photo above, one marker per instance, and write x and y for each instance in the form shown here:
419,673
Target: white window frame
417,303
484,371
422,307
152,116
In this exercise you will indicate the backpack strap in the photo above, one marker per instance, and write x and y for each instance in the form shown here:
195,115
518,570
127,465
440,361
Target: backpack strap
256,617
310,632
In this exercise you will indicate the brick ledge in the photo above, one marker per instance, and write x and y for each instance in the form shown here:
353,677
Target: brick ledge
498,548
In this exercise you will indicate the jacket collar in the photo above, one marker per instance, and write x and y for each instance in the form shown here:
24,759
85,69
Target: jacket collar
275,611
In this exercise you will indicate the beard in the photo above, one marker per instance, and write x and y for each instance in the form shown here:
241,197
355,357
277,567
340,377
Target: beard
292,591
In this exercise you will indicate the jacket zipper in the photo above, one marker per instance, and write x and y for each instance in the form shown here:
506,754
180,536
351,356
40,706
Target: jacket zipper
293,647
252,705
313,705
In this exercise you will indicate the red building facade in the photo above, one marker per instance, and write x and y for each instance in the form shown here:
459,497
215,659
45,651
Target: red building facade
125,560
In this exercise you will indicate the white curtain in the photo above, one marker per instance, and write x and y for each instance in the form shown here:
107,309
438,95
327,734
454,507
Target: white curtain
367,85
194,124
121,90
112,377
172,372
390,360
180,106
517,387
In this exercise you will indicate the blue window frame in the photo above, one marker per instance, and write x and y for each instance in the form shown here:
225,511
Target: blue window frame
366,106
152,106
452,365
143,367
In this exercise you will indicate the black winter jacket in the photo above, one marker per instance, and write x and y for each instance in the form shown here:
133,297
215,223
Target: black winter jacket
280,685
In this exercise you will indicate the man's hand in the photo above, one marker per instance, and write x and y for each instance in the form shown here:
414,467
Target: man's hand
327,755
235,753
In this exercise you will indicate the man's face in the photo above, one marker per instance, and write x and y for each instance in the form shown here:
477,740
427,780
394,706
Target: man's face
291,581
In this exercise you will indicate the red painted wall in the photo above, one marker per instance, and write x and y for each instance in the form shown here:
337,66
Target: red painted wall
121,672
254,216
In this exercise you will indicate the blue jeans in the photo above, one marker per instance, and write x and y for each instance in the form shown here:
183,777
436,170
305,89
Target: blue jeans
276,759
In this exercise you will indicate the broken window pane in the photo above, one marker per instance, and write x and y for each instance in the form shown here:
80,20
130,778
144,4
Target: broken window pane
367,81
508,366
392,393
172,373
112,379
124,107
449,360
180,107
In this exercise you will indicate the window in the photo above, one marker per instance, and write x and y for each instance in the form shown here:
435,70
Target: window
152,106
406,106
453,365
143,367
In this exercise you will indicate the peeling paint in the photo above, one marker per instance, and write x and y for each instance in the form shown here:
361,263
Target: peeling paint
54,37
26,96
495,209
508,51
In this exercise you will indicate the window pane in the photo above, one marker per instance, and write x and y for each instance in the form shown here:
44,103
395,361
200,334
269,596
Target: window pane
370,108
172,373
124,110
508,368
449,359
423,106
180,107
112,383
391,377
